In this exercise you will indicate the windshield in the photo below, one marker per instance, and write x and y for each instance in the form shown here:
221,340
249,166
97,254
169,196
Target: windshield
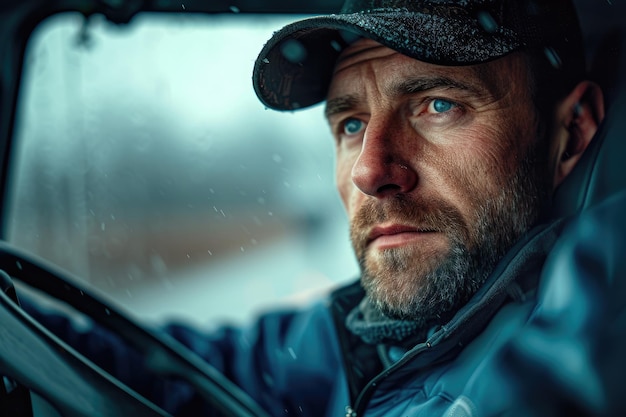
146,166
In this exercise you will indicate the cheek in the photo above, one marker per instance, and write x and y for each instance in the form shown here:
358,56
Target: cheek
351,196
474,169
343,179
488,156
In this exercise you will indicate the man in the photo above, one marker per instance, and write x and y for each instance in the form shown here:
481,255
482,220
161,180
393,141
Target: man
454,123
441,168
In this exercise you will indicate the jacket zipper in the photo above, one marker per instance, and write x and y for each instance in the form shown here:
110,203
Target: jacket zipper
367,392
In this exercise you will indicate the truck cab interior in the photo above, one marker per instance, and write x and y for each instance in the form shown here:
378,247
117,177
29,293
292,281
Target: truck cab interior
42,375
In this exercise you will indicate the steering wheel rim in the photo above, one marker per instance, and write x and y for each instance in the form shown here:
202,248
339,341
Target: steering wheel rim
173,358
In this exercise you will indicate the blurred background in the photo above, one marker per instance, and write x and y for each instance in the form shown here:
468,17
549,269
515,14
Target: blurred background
147,167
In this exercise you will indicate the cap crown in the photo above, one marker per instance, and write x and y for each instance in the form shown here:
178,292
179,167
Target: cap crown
442,32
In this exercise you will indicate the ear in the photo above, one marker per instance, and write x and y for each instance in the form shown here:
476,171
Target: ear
579,116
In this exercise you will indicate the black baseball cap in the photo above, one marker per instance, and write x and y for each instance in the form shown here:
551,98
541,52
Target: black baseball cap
295,66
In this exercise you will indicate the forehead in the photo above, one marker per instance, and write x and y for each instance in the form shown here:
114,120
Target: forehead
368,61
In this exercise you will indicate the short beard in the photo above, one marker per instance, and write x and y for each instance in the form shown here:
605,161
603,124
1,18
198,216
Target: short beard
430,289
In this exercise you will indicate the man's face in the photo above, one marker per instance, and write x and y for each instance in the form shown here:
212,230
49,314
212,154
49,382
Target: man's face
440,170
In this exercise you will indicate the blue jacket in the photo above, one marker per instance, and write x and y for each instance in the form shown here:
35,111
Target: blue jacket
544,336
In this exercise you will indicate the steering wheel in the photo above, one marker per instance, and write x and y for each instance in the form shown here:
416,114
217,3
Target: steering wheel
38,361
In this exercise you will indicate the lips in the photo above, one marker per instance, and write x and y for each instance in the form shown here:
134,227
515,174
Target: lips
395,230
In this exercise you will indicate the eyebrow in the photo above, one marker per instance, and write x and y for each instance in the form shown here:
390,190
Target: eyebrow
340,104
421,84
403,88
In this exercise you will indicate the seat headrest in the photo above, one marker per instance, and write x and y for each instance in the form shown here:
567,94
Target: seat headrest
601,171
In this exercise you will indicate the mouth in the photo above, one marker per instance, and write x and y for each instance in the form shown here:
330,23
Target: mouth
397,235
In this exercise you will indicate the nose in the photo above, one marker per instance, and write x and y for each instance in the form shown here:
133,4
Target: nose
384,167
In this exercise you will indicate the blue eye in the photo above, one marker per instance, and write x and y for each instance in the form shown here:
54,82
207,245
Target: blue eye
352,126
440,106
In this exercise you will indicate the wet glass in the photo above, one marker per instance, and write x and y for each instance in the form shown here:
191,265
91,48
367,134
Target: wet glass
146,166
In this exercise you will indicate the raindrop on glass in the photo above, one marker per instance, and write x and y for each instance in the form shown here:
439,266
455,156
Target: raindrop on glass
292,353
553,57
293,51
487,22
336,46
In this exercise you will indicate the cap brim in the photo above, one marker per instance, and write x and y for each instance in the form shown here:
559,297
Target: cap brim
295,66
